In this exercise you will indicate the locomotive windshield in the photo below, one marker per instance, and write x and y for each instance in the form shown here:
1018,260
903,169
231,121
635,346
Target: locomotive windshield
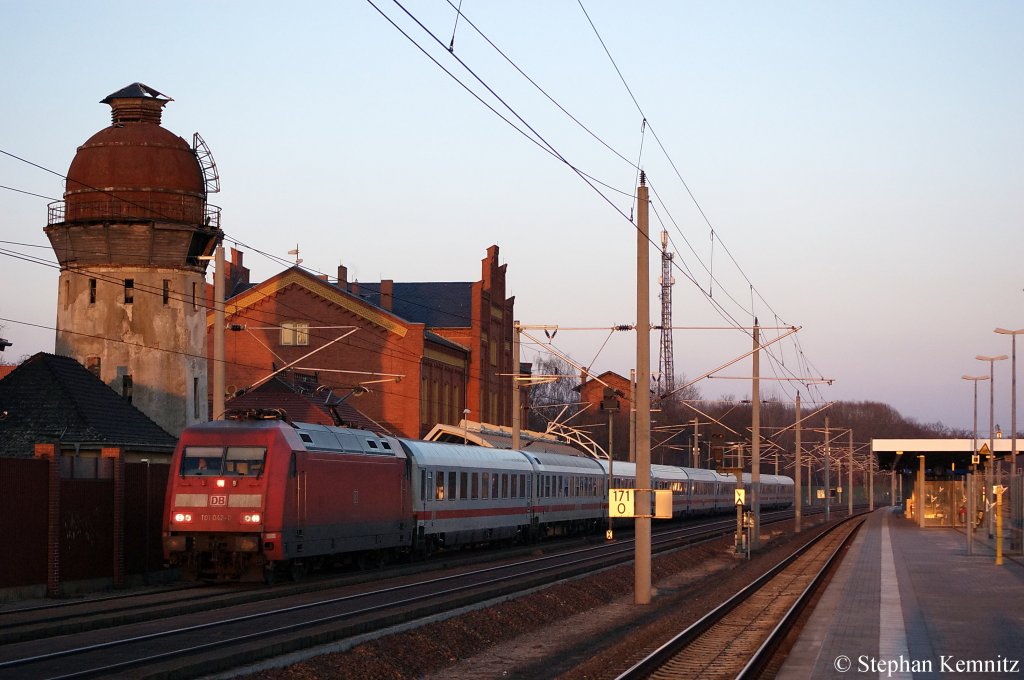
242,461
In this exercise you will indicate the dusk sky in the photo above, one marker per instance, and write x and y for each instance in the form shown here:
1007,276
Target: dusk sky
855,169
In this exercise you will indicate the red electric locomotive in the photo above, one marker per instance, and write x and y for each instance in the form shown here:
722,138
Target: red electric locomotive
248,496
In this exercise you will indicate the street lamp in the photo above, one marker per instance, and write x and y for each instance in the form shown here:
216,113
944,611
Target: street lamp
1013,398
991,412
974,448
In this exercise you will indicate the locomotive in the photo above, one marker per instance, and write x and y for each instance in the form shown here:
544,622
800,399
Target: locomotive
257,495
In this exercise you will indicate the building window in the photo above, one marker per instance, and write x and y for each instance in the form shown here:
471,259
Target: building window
126,387
494,353
129,291
167,290
195,301
295,333
195,398
92,291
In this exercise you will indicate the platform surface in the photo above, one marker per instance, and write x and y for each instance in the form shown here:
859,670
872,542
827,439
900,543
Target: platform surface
911,603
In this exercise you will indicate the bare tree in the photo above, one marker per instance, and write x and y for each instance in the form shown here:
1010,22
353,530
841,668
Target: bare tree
548,398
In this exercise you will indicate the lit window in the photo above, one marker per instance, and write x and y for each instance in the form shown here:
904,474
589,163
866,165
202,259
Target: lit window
295,333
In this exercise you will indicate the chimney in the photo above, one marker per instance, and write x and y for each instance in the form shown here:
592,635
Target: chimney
489,265
342,277
354,288
387,287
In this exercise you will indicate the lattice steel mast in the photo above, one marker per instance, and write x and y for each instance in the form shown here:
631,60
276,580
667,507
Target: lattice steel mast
666,380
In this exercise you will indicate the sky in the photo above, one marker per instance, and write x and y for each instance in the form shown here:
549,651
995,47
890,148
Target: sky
853,169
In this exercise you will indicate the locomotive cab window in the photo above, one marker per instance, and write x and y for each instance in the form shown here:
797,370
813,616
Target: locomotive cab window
242,461
202,460
245,461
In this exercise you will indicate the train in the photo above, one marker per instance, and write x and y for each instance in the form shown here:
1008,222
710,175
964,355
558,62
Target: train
257,496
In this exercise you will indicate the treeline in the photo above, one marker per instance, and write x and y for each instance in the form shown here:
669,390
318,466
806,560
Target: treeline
719,422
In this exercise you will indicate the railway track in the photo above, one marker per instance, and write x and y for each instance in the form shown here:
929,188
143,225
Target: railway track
736,639
213,630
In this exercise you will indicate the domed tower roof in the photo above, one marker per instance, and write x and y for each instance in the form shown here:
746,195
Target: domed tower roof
134,173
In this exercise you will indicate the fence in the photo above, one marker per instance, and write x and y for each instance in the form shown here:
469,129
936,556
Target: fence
76,520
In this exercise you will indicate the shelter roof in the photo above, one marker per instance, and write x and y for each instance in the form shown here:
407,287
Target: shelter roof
945,452
500,437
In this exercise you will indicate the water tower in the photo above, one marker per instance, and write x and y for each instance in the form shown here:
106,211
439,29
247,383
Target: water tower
129,236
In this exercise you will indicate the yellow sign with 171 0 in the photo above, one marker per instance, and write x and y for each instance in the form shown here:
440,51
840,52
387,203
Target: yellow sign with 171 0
622,503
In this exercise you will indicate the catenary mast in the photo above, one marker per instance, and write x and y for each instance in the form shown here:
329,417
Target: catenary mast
666,381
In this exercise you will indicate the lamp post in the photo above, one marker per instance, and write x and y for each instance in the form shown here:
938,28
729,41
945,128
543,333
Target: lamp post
974,450
991,421
1013,395
991,399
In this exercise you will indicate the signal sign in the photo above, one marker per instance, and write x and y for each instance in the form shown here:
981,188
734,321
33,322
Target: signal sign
621,503
740,496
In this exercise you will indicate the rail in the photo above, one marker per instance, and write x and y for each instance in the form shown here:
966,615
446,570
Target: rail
190,211
753,645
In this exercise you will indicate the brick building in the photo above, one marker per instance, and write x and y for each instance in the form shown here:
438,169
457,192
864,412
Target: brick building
426,351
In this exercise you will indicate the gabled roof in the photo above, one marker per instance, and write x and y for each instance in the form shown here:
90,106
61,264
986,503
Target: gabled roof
51,398
436,304
305,404
295,276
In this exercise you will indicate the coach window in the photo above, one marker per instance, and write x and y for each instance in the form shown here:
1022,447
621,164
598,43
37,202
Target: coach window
452,483
515,478
439,481
486,484
494,485
475,492
504,485
463,486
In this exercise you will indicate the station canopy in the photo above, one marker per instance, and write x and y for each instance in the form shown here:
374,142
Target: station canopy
945,453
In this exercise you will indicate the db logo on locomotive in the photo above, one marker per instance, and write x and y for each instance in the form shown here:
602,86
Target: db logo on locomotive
220,501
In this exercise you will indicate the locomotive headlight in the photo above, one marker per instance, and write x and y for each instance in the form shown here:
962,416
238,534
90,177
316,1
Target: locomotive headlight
251,518
220,483
182,517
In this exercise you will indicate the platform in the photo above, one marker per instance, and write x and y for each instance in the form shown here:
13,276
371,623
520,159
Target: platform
911,603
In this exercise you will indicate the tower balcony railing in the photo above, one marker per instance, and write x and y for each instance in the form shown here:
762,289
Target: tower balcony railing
190,211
